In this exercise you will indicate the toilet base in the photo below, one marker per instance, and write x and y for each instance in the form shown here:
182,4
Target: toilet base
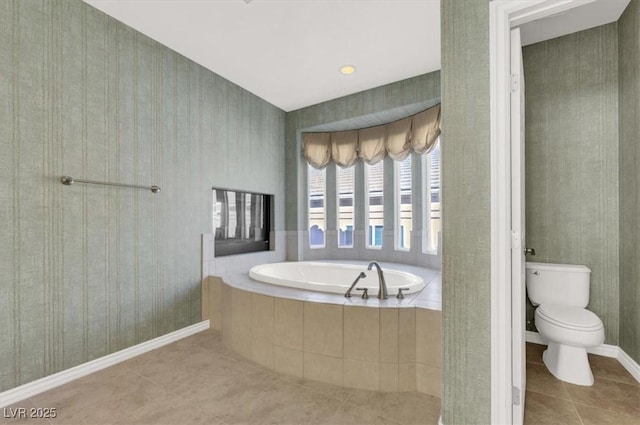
567,363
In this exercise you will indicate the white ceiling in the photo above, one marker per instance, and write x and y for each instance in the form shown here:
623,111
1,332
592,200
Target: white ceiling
590,15
289,52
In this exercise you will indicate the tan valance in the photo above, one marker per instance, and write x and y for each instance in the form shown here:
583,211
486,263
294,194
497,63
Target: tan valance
344,148
372,144
399,139
317,149
425,130
417,133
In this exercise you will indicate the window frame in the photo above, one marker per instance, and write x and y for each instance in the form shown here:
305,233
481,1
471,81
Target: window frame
324,208
398,234
352,170
367,213
427,247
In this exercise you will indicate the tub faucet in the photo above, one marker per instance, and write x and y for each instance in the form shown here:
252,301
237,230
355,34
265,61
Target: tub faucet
360,276
382,291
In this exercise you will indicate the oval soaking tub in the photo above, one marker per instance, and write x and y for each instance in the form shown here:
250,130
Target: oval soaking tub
333,277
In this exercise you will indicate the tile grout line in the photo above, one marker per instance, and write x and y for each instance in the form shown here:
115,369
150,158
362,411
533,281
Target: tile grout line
573,403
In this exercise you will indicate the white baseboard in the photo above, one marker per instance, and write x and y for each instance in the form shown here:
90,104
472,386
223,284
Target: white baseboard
30,389
628,363
534,338
605,350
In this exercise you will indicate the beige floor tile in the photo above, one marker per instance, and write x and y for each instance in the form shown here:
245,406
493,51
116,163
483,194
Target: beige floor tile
169,411
105,385
593,416
108,412
333,391
179,373
27,421
207,339
407,408
541,409
219,395
610,368
350,414
285,404
534,352
609,395
541,381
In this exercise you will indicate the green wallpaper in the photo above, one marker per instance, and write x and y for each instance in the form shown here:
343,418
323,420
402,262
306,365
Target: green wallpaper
88,270
571,155
629,44
466,291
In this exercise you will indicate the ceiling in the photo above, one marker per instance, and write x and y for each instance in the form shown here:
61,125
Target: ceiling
289,52
592,14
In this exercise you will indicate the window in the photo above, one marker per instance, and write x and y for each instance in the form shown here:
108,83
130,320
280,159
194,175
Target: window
404,214
317,210
345,185
374,184
431,199
241,222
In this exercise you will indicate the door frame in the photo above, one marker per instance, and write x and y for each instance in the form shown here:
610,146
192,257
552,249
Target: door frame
505,15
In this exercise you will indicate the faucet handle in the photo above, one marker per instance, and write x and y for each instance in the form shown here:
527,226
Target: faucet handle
400,294
365,292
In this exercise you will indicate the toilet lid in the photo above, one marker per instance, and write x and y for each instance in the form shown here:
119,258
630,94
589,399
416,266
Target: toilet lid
570,317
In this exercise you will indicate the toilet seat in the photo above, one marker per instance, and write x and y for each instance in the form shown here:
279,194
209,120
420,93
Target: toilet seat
568,317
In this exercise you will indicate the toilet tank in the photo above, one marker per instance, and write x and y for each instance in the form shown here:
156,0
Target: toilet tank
565,284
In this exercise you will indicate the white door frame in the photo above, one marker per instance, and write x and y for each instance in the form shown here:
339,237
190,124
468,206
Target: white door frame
504,15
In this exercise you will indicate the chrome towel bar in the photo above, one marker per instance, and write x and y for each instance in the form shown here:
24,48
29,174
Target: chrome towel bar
68,180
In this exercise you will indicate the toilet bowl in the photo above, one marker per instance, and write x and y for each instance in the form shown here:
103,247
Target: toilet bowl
569,331
561,293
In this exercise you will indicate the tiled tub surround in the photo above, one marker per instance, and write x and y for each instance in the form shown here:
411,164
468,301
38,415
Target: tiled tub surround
383,345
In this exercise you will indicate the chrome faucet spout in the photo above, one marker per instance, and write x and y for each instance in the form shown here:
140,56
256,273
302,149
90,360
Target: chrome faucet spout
382,290
360,276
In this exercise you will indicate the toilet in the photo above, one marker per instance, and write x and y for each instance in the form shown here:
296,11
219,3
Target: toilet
561,293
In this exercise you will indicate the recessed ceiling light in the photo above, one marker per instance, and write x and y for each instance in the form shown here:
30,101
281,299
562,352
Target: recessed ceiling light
347,69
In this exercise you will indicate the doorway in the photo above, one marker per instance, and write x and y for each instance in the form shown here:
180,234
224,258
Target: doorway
508,373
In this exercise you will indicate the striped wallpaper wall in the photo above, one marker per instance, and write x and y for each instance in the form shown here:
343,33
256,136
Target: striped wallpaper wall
466,238
629,51
571,154
88,270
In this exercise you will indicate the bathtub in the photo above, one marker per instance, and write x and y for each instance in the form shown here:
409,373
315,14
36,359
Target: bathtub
333,277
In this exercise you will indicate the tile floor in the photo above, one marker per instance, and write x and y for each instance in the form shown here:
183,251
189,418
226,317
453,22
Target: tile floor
197,380
613,399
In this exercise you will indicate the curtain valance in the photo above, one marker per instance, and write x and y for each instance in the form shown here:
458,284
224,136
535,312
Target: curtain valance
397,139
317,149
